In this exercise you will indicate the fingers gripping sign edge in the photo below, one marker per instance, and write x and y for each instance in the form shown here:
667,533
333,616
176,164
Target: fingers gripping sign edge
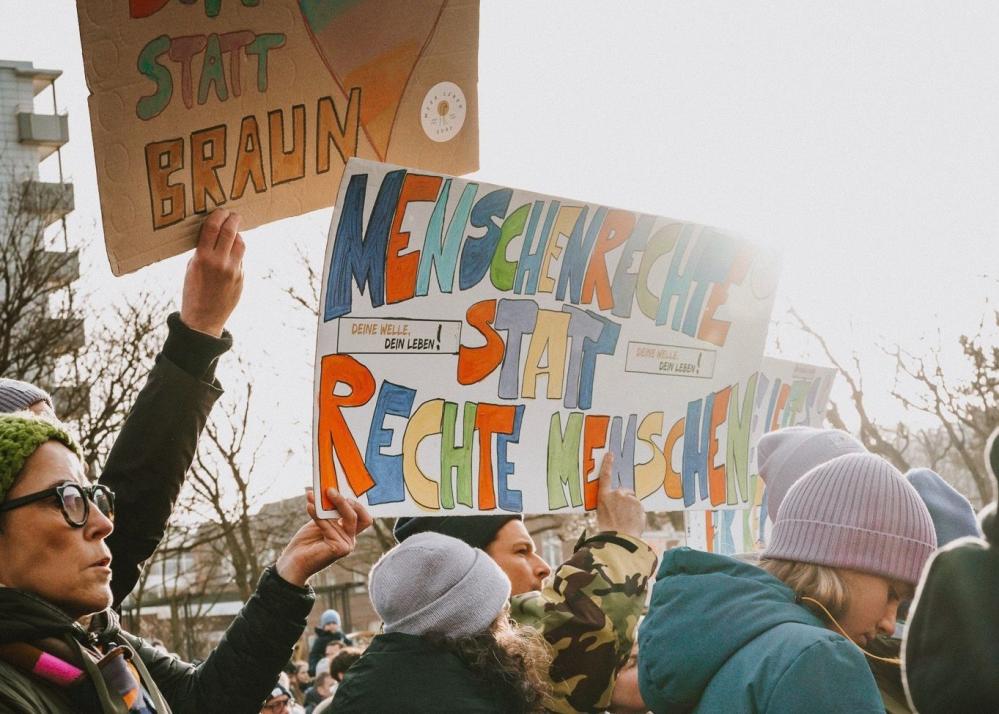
227,233
210,228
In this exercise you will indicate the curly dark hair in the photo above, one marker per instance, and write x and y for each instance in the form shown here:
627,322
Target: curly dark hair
510,660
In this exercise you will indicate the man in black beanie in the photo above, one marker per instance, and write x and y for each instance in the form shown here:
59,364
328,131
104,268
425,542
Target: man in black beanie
477,531
589,609
503,537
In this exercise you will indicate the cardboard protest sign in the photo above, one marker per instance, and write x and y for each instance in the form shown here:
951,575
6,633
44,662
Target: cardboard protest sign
787,394
480,347
256,106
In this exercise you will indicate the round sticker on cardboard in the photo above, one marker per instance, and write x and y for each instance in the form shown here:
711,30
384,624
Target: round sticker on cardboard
442,113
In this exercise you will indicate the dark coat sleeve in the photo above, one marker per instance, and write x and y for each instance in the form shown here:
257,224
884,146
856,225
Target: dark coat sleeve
151,455
242,670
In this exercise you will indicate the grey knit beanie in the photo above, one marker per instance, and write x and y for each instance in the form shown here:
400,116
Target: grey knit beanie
16,395
433,583
785,455
857,512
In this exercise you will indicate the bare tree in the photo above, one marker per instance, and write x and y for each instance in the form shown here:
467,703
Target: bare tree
966,408
889,442
220,491
44,320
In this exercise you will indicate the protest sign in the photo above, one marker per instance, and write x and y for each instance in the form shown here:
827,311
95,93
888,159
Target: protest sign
480,347
256,106
787,394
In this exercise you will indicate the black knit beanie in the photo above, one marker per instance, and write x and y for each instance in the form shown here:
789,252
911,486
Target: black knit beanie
477,531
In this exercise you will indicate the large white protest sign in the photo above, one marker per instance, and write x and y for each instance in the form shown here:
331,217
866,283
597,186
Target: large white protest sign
787,394
481,347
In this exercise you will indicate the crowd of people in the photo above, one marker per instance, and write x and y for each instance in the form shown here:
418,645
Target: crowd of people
876,591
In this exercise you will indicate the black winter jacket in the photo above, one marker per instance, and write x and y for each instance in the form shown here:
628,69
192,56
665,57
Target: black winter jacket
405,674
156,445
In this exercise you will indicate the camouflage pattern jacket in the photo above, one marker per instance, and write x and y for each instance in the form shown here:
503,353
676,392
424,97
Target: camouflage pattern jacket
588,611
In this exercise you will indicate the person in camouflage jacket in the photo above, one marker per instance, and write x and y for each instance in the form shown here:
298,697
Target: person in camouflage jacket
588,610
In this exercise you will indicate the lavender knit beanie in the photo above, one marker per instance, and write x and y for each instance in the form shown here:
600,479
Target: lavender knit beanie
858,512
785,455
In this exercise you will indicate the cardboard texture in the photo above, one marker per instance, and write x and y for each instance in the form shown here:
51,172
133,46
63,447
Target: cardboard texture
256,106
480,348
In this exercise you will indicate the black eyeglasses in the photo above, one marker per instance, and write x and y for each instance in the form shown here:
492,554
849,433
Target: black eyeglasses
74,500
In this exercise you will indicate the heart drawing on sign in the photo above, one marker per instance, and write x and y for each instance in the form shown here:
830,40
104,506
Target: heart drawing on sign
374,45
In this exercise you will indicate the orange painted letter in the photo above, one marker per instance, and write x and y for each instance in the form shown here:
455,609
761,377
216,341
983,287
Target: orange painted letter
716,474
490,419
615,230
334,434
594,437
474,363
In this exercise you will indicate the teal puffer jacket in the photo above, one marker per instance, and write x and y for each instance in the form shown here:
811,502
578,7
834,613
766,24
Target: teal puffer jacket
725,636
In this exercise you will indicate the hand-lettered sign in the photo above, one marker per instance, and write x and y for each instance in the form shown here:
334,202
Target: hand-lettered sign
787,394
480,347
256,106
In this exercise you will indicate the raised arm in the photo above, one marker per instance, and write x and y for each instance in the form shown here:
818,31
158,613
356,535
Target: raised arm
153,452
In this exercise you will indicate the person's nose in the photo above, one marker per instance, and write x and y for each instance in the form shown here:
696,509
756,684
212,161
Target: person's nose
98,526
541,568
887,624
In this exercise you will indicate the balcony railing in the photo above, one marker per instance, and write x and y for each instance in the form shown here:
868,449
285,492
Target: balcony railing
59,267
46,131
50,201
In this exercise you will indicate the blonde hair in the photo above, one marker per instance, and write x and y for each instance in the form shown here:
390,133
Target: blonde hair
810,580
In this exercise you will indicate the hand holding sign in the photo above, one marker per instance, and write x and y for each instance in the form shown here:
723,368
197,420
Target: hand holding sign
322,541
214,278
618,509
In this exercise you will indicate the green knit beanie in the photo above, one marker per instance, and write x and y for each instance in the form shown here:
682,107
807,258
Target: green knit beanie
20,436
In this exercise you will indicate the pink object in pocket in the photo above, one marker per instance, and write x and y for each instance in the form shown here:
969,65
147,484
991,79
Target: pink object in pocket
55,670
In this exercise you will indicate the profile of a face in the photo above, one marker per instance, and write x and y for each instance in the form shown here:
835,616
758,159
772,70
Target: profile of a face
513,550
41,553
872,605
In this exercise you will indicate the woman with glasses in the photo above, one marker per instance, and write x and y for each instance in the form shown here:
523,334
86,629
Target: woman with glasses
61,648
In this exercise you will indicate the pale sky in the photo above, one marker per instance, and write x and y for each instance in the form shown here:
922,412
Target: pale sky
859,137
